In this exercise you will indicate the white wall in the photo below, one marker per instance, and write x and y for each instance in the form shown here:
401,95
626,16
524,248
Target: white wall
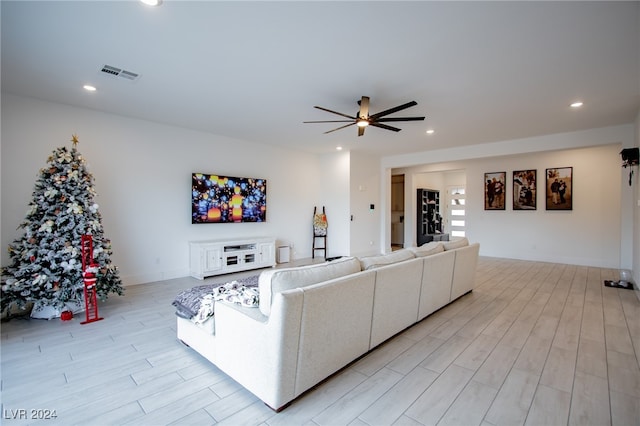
589,234
143,170
142,174
365,191
596,232
594,137
334,195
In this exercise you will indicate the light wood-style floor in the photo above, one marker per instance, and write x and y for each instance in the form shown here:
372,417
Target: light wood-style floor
535,344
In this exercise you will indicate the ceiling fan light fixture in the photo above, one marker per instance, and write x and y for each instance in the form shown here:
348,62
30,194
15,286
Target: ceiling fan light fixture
362,119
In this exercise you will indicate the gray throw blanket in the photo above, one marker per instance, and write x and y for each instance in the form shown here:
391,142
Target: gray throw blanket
188,303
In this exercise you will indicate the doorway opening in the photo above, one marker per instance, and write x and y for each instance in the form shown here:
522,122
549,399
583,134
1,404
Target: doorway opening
397,212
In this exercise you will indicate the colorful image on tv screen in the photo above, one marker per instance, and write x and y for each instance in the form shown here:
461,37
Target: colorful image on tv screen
225,199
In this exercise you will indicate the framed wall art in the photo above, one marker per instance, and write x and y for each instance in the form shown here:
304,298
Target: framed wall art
524,189
494,190
559,188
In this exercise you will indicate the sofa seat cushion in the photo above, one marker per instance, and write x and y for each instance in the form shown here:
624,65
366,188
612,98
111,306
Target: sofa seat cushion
454,244
372,262
427,249
278,280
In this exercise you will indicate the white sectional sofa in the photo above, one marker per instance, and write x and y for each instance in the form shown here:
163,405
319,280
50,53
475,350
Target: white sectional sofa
314,320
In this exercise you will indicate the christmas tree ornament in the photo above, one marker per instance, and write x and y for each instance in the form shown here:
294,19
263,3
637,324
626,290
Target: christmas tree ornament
45,265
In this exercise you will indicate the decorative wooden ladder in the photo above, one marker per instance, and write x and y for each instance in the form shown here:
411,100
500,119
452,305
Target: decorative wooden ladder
319,232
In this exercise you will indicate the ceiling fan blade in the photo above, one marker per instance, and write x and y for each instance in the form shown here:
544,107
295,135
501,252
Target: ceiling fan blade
329,121
341,127
400,119
392,110
364,107
384,126
335,112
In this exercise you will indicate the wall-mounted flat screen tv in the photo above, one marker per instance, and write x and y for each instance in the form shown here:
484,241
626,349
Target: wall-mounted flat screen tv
227,199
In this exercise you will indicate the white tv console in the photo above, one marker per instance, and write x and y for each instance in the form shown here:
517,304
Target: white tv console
215,257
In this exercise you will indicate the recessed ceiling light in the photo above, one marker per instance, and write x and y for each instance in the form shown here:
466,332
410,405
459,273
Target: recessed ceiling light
152,2
89,88
577,104
338,148
430,131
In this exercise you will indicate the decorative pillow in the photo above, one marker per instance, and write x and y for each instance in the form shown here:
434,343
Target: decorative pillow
454,244
428,249
277,280
372,262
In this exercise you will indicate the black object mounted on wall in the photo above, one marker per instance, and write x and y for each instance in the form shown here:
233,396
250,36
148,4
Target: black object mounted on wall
630,158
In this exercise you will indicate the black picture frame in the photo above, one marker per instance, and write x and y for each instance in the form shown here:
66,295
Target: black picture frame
525,190
559,188
495,190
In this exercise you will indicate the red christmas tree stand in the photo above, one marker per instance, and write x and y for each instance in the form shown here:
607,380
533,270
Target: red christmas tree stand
89,278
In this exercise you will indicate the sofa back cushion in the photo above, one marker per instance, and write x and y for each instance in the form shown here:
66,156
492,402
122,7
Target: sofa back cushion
372,262
395,303
276,280
457,243
427,249
464,271
436,282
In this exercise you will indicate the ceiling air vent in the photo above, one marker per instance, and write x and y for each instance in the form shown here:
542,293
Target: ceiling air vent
119,72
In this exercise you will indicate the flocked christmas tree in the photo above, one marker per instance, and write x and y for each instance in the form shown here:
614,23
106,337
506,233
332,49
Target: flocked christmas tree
46,261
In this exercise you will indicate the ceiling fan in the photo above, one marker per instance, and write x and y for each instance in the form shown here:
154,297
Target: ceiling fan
363,119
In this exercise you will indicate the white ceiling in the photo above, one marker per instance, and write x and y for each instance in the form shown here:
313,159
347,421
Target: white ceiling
480,71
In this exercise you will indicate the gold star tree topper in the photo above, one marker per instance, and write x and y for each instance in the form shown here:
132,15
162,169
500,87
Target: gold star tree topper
74,139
